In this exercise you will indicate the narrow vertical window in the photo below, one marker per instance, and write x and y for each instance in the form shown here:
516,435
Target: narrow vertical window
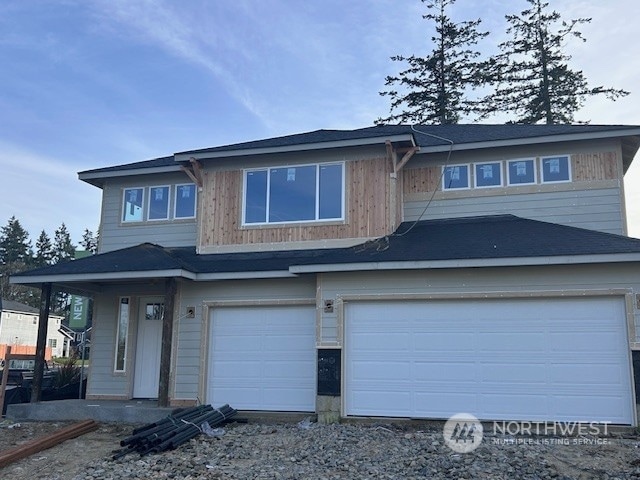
185,201
256,197
159,203
132,210
122,335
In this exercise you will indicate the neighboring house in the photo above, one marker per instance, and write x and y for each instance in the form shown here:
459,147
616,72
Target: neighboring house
19,328
390,271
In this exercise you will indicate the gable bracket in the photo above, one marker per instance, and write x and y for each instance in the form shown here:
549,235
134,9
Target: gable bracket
194,171
405,158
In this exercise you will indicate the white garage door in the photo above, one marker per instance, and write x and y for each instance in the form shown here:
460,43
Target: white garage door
263,358
537,359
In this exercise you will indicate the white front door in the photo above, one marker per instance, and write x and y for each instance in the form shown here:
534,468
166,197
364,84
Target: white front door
147,369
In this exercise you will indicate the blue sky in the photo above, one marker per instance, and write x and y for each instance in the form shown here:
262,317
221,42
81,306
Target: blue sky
92,83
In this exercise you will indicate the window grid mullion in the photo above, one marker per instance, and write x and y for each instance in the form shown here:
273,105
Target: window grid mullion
267,203
317,192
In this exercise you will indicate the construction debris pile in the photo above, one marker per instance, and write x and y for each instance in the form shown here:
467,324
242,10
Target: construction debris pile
174,430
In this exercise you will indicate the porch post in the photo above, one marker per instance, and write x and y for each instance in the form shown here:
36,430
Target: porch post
171,287
41,343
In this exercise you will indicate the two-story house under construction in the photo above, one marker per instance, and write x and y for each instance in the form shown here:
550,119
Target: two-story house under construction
389,271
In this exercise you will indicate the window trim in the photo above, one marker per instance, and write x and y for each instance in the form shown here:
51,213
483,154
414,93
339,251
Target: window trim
525,159
122,204
475,174
547,157
148,213
317,220
456,189
195,201
121,313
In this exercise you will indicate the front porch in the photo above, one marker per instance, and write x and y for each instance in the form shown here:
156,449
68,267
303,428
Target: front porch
110,411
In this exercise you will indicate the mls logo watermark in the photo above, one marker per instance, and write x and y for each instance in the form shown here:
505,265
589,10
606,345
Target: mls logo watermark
463,433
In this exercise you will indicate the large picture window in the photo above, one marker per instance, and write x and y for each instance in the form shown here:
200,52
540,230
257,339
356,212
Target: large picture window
185,201
132,208
159,203
294,194
556,169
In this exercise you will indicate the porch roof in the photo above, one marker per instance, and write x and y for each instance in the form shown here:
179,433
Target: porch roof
498,240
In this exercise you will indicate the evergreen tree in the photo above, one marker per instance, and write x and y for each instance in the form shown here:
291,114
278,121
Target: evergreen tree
435,89
534,80
44,250
15,245
89,241
63,249
15,256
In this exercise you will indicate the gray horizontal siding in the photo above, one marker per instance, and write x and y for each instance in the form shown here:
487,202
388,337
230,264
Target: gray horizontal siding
102,380
599,209
115,235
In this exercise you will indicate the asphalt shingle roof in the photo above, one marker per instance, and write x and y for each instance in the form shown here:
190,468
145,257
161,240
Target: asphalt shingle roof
489,237
17,307
459,133
423,135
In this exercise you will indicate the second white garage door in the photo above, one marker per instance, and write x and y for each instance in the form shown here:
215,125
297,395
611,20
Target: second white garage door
263,358
535,359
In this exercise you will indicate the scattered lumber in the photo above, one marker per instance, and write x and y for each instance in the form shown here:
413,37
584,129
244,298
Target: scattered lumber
9,456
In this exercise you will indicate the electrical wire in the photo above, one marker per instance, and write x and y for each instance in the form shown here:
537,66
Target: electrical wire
433,194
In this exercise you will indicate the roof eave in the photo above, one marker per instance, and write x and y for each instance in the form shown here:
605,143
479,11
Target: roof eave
533,140
467,263
100,277
200,155
97,178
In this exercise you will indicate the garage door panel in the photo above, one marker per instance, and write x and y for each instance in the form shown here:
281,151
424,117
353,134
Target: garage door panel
388,371
442,371
529,373
513,359
372,401
439,342
598,373
509,406
432,405
263,358
577,408
525,341
586,342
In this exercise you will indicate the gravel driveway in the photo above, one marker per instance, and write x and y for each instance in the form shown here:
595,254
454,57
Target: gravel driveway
381,451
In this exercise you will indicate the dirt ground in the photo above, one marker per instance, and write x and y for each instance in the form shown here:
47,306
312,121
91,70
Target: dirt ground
618,457
63,461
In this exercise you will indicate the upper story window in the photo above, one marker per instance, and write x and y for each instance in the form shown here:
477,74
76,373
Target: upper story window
159,203
301,193
522,172
488,174
185,201
132,210
455,176
556,169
